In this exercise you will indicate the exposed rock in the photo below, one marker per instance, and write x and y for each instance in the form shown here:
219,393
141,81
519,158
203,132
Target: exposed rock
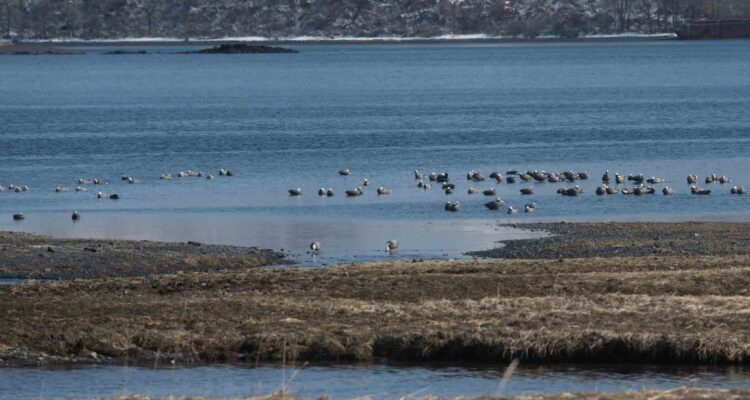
242,48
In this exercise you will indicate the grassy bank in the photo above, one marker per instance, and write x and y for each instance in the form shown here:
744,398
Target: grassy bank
642,309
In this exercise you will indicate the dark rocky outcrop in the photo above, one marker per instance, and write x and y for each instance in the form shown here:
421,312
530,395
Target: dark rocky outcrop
242,48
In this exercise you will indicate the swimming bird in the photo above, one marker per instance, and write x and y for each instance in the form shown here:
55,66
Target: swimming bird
433,176
637,178
447,185
605,177
442,177
619,179
366,182
61,189
418,175
330,192
383,190
710,179
496,176
391,245
354,192
724,180
527,191
495,204
452,206
322,192
612,190
511,210
738,190
81,189
315,247
601,190
18,216
420,184
529,208
583,175
696,190
476,176
222,172
511,172
569,175
448,190
209,177
472,191
574,191
510,179
345,172
114,196
75,216
641,190
654,180
490,192
295,192
692,179
165,177
667,190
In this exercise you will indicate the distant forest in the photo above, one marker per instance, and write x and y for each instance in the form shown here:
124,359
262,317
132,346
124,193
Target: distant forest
89,19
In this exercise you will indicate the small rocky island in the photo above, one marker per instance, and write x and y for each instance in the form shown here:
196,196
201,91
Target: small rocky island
242,48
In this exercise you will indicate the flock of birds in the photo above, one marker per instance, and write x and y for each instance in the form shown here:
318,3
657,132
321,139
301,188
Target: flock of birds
81,184
641,186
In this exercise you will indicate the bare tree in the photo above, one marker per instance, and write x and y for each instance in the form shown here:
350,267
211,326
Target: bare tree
149,8
7,16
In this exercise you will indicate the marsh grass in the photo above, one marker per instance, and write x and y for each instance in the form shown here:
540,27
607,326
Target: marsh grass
640,309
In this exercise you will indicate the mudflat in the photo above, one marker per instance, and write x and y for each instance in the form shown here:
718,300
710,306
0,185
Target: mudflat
24,256
623,239
656,308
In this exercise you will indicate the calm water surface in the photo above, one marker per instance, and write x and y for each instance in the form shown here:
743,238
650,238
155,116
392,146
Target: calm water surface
351,381
664,108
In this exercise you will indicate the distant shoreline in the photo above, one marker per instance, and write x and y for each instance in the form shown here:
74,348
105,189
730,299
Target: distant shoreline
348,40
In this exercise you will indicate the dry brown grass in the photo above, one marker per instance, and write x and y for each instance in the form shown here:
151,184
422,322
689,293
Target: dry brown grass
685,309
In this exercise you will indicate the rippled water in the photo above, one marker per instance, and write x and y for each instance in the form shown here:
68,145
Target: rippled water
349,381
664,108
